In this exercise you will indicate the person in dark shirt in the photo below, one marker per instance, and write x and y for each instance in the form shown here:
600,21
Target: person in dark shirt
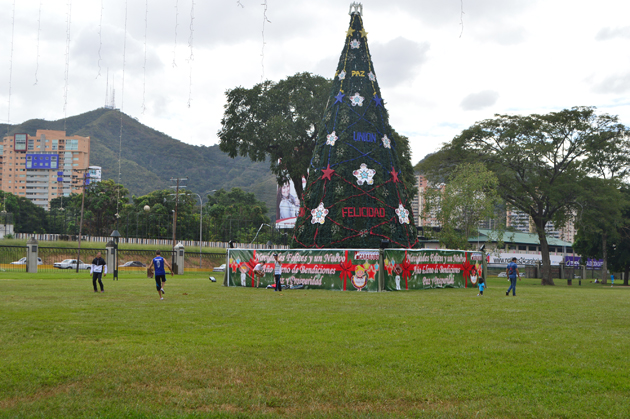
98,270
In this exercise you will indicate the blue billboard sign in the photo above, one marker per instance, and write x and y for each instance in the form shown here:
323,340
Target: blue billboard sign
42,161
574,262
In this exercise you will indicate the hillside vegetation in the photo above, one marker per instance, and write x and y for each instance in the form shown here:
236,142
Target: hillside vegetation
150,158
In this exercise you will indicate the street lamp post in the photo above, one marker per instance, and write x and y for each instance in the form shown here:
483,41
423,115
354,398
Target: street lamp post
201,221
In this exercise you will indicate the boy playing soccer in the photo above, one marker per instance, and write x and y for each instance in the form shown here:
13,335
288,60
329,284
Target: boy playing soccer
160,274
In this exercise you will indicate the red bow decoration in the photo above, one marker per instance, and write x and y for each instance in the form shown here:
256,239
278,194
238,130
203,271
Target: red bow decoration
467,268
346,269
406,269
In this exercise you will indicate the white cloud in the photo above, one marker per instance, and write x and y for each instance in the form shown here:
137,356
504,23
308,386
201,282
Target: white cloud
606,34
478,101
540,56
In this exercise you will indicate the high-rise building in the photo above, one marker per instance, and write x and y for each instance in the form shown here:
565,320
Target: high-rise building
519,220
523,222
422,217
41,167
94,174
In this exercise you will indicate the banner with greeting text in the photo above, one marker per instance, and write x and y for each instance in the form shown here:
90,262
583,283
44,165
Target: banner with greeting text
331,269
426,268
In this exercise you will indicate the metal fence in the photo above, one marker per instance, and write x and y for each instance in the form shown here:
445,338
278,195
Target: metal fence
139,260
52,255
12,258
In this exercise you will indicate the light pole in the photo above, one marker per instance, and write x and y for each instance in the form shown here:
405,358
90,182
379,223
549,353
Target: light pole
201,221
259,228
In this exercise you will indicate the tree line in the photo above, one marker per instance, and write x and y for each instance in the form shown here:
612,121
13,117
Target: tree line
567,165
227,215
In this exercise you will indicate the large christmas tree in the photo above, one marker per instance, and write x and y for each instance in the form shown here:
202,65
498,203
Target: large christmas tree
355,196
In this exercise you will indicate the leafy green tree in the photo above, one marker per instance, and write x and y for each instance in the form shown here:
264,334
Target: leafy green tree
157,220
100,207
281,121
603,223
27,217
468,197
278,121
236,215
540,161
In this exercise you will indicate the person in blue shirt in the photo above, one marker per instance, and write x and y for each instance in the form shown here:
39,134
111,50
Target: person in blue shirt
158,264
512,273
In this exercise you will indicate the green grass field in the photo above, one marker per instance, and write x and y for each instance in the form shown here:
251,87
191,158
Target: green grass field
211,351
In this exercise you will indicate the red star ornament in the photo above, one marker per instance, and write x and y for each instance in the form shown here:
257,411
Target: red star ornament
394,174
389,266
371,271
327,173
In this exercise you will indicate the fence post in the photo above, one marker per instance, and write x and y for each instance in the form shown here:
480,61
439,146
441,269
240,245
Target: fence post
31,255
179,259
109,256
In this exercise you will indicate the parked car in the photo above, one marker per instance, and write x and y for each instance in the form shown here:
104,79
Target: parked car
219,268
502,275
71,264
133,264
23,261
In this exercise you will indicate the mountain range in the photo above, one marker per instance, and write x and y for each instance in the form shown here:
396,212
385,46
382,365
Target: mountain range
149,158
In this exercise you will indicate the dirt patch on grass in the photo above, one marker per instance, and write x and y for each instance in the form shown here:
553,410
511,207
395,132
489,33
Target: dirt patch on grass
42,394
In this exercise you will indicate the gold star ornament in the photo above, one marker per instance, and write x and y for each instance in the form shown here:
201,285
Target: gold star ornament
350,32
363,33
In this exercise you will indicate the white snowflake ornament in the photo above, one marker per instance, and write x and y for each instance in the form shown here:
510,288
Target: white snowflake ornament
357,100
387,143
331,138
342,75
355,44
371,76
403,214
319,214
364,175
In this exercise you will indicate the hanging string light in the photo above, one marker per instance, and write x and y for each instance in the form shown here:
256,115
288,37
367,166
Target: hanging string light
100,41
39,25
191,58
144,66
11,67
67,72
122,106
262,52
461,17
175,46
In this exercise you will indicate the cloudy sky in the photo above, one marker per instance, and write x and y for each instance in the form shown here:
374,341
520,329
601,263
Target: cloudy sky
437,76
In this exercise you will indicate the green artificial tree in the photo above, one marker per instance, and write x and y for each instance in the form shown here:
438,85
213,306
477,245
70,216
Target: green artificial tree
355,196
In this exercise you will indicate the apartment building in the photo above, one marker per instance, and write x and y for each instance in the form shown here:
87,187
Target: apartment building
42,167
421,217
523,222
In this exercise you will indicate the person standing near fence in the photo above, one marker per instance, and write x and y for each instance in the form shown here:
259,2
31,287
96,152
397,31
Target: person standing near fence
277,271
158,263
98,270
512,273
